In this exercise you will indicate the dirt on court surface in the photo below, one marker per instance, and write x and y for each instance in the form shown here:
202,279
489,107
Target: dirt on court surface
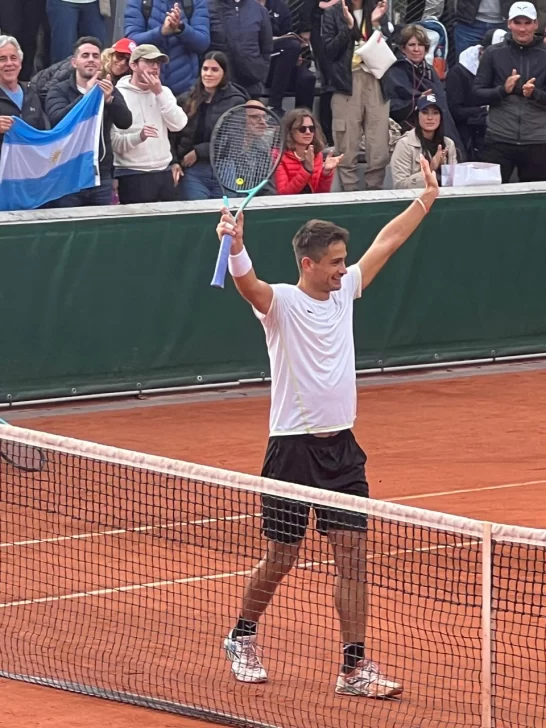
471,445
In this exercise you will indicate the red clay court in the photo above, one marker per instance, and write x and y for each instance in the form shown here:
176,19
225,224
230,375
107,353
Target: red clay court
468,442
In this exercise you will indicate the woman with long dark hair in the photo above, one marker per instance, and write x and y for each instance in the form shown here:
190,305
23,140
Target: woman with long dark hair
426,138
210,97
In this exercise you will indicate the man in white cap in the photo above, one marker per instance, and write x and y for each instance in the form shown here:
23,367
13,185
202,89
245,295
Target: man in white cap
142,153
511,80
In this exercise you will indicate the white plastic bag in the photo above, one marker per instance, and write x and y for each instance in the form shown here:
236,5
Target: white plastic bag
376,55
471,174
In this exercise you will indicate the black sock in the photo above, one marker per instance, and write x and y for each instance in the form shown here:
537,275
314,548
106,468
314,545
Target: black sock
245,628
353,652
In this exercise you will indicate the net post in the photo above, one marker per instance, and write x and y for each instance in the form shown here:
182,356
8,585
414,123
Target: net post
487,649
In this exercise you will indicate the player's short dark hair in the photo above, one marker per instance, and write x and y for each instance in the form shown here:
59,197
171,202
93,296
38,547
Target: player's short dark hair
313,238
86,39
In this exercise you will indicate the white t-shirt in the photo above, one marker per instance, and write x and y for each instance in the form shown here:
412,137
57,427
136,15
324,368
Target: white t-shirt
312,354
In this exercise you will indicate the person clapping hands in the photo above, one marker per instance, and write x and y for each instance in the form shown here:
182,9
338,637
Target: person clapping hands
303,167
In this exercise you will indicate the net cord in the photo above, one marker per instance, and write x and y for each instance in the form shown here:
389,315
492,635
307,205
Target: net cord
256,484
486,676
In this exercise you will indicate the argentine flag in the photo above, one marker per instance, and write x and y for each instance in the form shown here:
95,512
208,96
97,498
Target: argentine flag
39,166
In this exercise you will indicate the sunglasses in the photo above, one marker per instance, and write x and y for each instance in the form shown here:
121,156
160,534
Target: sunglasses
306,127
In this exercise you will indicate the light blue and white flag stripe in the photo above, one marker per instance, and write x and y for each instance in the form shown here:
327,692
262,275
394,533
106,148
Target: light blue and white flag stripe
39,166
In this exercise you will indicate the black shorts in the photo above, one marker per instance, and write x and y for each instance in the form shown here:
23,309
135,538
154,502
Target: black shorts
335,463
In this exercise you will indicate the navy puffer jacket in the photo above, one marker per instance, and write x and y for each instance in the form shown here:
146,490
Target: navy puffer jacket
182,48
242,30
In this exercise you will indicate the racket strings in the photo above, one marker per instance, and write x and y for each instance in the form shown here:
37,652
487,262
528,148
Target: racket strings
245,147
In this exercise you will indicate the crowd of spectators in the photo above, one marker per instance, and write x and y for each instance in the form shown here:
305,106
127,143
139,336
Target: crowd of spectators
181,65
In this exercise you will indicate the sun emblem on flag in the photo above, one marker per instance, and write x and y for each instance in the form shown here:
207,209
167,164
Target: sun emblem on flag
55,156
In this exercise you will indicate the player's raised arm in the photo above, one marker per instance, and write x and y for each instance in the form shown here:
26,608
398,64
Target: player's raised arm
395,234
256,292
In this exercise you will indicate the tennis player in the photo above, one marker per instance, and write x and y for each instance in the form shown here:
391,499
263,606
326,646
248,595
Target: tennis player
309,334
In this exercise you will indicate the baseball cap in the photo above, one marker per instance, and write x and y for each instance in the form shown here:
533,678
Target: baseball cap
425,101
149,53
124,45
522,10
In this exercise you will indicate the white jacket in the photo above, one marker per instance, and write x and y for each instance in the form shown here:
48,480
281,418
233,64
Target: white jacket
161,111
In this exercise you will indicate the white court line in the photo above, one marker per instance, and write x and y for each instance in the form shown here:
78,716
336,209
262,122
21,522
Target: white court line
210,577
141,529
137,529
464,490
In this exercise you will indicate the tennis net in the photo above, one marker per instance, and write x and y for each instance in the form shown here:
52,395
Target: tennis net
122,573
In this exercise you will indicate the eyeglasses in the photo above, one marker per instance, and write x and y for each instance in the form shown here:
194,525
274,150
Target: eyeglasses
306,127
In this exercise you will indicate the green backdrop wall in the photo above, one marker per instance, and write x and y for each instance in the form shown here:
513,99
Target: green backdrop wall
123,303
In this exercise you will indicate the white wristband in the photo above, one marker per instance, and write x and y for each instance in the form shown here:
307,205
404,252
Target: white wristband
239,265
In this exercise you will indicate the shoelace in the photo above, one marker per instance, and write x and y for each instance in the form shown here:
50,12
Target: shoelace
250,651
370,668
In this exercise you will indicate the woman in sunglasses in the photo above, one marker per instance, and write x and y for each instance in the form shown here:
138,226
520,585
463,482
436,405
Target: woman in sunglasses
303,167
115,60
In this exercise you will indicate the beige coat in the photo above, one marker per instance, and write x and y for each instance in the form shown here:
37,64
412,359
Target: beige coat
405,167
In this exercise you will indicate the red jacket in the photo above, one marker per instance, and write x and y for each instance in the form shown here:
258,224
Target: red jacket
291,177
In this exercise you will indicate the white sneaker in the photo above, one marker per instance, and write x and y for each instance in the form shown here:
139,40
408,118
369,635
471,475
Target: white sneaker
245,663
367,680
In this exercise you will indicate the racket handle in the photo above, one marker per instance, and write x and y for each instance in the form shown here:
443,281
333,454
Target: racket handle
219,277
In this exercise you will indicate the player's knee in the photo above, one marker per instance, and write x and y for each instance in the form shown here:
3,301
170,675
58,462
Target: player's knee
282,556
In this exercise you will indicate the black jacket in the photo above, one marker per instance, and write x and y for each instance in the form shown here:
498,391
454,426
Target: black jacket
279,16
184,141
243,32
31,112
513,118
52,76
469,118
63,97
468,9
404,83
339,45
310,15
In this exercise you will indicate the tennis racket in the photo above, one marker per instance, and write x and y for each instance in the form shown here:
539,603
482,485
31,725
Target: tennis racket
245,148
24,457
